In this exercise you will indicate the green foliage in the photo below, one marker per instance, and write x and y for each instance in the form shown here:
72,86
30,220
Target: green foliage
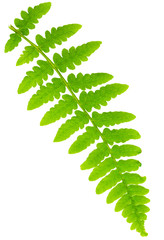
100,97
28,55
28,21
60,110
111,118
47,93
106,161
74,56
71,126
13,42
36,76
56,36
120,135
96,156
87,81
30,18
84,140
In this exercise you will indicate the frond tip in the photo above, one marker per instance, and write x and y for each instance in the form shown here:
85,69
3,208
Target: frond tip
28,21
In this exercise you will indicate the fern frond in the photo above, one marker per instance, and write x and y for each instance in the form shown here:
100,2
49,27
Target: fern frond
109,163
87,81
100,97
28,21
13,42
96,156
125,150
120,135
109,181
28,55
30,18
36,76
71,126
47,93
84,140
60,110
56,36
74,56
106,160
111,118
128,165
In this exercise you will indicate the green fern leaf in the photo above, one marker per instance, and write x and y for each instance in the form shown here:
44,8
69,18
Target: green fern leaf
96,156
60,110
102,169
56,36
71,126
106,160
126,150
128,165
87,81
30,18
126,201
100,97
120,135
108,182
109,163
133,178
123,202
47,93
111,118
137,190
116,192
13,42
28,55
36,76
138,200
84,140
74,56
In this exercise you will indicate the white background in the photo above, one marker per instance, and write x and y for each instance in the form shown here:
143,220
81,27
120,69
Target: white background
43,193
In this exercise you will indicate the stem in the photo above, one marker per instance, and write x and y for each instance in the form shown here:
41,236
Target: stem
53,65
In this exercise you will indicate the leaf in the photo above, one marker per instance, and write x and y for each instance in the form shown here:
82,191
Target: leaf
111,118
126,150
117,176
36,76
28,55
138,200
13,42
116,192
101,96
60,110
47,93
128,165
56,36
96,156
85,140
120,135
133,178
74,56
108,181
30,18
71,126
87,81
123,202
102,169
137,190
